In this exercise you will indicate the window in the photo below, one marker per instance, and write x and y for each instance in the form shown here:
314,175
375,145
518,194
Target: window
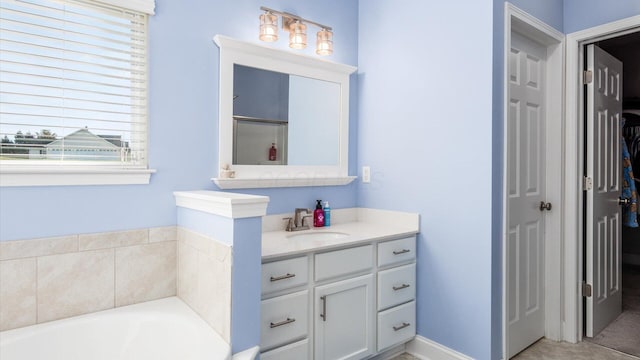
73,90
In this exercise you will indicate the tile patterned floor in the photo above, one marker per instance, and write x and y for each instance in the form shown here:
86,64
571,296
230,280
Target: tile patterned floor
551,350
405,356
623,334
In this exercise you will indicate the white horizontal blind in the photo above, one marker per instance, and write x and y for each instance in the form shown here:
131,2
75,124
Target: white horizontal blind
144,6
73,84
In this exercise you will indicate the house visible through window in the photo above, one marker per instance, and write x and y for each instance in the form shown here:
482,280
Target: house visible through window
73,84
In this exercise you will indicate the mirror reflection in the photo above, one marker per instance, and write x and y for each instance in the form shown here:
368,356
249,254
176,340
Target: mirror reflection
282,119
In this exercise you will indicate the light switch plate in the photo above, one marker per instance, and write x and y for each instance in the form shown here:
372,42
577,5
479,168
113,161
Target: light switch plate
366,174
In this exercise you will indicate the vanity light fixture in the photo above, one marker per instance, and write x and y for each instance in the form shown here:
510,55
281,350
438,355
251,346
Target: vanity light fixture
324,42
297,35
297,28
268,27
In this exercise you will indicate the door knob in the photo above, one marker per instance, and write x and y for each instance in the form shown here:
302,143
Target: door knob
545,206
624,202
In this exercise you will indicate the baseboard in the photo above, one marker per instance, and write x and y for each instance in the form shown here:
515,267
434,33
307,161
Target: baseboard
425,349
390,354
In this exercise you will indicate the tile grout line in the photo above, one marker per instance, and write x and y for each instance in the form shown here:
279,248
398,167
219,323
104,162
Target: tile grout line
36,294
115,272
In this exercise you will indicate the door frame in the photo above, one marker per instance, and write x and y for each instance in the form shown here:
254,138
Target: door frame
538,31
574,154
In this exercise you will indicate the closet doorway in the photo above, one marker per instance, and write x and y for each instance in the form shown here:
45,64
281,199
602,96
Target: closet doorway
612,236
573,213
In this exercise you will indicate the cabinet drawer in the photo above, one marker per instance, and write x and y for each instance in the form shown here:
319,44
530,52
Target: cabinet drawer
396,251
396,325
295,351
284,274
284,319
343,262
396,285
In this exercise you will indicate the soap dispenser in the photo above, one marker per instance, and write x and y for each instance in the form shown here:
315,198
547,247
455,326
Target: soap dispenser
318,215
327,214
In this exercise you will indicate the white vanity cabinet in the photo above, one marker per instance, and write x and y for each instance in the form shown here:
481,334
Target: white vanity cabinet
285,309
359,301
396,290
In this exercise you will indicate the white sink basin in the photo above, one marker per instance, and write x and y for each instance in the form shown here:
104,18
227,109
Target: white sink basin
318,236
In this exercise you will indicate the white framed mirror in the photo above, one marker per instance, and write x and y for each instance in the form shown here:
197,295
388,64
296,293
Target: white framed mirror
284,118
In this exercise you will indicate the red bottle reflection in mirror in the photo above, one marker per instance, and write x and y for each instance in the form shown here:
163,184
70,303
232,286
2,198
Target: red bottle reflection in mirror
272,152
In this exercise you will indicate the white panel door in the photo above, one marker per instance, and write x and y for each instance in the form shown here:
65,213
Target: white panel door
603,227
526,191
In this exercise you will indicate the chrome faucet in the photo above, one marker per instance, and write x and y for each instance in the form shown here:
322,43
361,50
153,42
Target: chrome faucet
296,223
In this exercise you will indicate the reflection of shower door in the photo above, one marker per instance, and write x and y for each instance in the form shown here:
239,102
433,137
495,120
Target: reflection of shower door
252,138
603,166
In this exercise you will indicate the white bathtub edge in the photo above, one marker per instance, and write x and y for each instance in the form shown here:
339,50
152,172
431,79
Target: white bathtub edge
249,354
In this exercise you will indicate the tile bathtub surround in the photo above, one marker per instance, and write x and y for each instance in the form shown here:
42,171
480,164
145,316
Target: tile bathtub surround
75,284
10,250
145,272
17,293
53,278
112,239
204,278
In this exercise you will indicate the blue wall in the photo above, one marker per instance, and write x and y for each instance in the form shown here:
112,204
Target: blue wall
584,14
549,11
183,101
246,284
425,130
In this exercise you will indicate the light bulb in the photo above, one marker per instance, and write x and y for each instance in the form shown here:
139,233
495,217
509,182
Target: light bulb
268,27
297,35
324,42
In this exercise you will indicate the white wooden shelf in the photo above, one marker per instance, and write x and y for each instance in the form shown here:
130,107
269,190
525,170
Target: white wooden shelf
251,183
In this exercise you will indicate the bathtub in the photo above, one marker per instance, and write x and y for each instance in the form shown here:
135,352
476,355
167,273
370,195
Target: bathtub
165,329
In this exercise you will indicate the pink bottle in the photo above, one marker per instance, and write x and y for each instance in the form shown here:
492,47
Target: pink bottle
318,215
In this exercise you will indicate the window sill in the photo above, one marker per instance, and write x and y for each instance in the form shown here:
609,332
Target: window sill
11,176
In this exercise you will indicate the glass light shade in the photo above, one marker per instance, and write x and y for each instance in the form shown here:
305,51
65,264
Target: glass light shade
268,27
297,35
324,42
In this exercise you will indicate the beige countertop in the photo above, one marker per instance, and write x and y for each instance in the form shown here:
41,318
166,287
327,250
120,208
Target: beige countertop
369,225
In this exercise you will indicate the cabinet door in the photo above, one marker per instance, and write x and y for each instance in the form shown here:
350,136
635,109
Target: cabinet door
344,319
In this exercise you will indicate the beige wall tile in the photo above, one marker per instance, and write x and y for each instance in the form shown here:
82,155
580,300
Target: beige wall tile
204,278
38,247
75,284
114,239
187,274
195,240
214,285
17,293
167,233
220,251
145,272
